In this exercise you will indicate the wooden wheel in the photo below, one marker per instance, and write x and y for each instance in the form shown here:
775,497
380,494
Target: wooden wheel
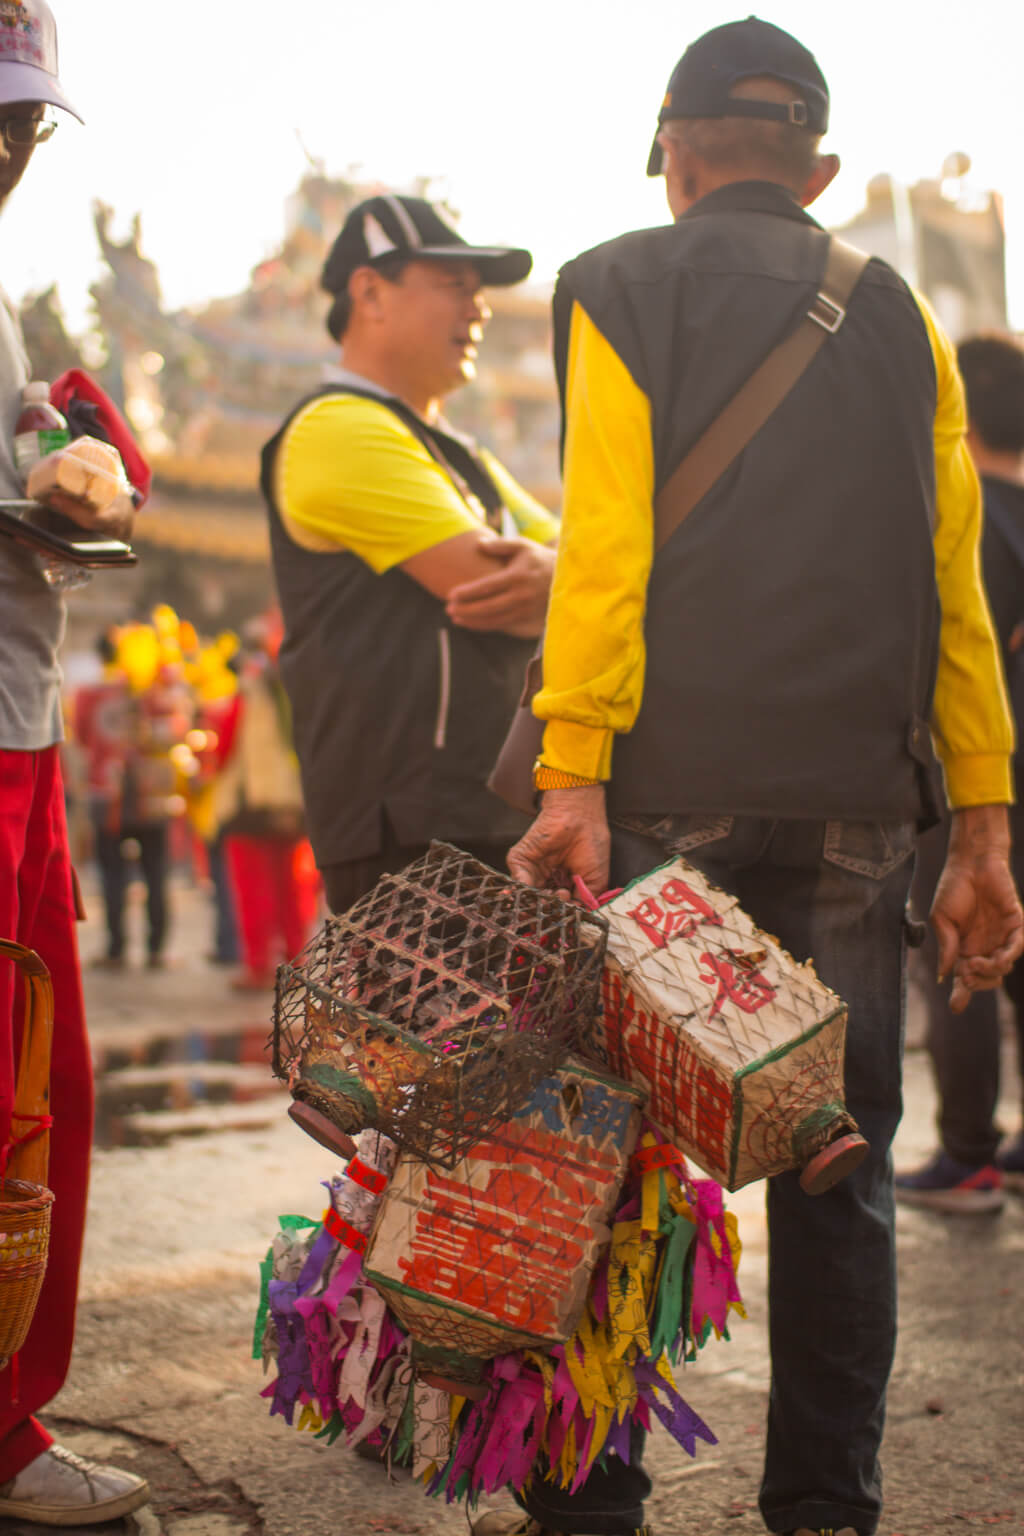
833,1163
322,1130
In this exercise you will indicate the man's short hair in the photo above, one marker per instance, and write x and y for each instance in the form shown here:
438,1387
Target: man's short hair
340,313
992,366
763,151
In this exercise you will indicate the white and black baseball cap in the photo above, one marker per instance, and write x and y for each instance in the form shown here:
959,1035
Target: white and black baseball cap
391,225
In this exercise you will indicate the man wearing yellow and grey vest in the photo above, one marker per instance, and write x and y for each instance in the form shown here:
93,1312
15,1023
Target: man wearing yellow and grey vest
412,568
758,695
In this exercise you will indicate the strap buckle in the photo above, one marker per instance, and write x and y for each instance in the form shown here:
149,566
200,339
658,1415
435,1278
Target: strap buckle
826,313
797,113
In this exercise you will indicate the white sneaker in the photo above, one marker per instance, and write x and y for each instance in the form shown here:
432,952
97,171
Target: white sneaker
60,1488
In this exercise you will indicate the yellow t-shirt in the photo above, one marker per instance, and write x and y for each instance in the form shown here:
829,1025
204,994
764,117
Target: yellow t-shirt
594,650
349,473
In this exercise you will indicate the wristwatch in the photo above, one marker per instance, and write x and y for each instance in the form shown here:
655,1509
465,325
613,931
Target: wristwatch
545,777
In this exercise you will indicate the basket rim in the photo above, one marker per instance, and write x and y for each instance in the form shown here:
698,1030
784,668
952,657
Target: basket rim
25,1195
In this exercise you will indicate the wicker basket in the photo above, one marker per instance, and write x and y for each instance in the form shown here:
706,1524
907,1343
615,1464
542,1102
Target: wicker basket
25,1202
24,1245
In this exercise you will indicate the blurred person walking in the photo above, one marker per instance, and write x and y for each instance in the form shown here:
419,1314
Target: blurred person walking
412,569
40,1482
757,694
258,810
130,741
969,1172
216,697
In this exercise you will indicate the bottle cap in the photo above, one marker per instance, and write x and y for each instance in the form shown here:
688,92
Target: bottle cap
37,390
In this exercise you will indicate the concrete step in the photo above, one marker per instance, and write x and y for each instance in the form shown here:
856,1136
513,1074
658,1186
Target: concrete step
155,1127
211,1073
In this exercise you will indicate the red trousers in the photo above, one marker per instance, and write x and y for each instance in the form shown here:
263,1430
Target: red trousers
275,888
37,909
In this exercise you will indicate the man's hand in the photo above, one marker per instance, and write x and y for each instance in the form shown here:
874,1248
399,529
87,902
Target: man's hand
515,598
114,522
569,837
976,913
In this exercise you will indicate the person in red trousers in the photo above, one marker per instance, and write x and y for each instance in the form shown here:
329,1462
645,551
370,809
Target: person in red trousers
258,805
41,1482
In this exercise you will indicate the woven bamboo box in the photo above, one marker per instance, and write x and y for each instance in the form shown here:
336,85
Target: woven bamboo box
739,1048
496,1254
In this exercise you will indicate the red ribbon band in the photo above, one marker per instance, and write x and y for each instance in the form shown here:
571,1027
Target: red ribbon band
366,1177
43,1123
664,1155
342,1232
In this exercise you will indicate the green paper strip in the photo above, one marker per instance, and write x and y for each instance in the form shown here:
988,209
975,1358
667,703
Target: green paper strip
263,1309
406,1428
296,1223
332,1429
671,1297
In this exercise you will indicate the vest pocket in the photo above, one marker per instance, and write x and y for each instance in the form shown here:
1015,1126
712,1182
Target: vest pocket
444,688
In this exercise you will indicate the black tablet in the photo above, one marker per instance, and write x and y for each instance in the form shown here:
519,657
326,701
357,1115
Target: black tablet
49,532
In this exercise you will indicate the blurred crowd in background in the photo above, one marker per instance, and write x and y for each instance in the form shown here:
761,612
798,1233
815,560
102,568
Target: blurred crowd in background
179,763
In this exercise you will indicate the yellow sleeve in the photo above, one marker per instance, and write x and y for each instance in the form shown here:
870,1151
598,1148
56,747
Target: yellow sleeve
971,720
594,652
350,474
532,520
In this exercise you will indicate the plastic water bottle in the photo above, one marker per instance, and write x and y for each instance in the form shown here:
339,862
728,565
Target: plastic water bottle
40,428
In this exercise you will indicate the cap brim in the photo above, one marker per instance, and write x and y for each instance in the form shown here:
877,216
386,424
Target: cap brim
656,158
25,82
499,266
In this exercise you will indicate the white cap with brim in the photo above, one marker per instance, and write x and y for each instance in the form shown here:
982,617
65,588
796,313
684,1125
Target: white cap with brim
28,55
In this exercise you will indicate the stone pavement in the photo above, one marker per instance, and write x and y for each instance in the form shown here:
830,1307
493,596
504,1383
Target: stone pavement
163,1382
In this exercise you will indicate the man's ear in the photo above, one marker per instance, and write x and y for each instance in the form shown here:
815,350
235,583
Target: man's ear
825,172
364,290
681,187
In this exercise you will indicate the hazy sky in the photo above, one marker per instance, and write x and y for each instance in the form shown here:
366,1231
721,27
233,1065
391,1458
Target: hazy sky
538,115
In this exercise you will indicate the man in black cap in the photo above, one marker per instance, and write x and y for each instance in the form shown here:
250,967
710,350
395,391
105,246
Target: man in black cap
413,571
758,695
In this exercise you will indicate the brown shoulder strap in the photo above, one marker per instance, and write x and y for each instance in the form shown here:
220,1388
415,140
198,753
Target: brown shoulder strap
765,389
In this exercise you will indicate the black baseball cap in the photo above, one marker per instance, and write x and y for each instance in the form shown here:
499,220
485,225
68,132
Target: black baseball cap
701,83
390,225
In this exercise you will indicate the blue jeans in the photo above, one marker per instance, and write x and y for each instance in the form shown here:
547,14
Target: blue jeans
837,892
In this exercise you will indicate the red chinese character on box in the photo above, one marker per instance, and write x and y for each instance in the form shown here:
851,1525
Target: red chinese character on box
675,912
738,980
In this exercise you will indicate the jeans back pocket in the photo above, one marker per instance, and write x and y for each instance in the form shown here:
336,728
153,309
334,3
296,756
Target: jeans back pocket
871,848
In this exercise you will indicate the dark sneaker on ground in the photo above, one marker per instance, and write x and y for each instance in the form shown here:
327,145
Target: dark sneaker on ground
1010,1162
513,1523
947,1185
60,1488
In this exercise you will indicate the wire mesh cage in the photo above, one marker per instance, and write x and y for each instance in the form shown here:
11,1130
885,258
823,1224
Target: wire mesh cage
497,1253
739,1048
432,1008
